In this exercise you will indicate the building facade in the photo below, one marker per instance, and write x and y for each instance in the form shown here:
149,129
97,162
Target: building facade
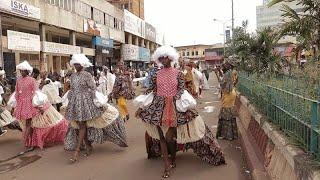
140,41
214,55
271,17
134,6
193,52
48,32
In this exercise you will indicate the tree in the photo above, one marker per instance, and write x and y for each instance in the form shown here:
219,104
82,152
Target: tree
255,52
305,24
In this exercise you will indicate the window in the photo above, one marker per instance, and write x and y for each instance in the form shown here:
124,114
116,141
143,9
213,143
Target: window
126,6
188,53
192,53
203,53
98,16
197,53
107,20
183,53
115,25
85,10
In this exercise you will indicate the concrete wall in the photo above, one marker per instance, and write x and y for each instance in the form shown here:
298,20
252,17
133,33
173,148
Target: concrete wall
266,146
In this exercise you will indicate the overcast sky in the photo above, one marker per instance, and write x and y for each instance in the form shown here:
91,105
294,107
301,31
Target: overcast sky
187,22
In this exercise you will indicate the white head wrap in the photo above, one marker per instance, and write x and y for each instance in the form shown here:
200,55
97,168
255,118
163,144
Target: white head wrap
80,59
166,51
24,66
2,72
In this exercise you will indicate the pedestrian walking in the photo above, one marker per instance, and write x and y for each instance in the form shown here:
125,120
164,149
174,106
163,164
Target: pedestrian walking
169,126
42,125
123,90
89,122
227,125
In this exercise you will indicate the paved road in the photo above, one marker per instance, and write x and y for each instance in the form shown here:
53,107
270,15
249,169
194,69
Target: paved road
111,162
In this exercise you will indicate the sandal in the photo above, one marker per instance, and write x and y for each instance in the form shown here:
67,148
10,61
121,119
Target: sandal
166,174
173,165
75,157
88,152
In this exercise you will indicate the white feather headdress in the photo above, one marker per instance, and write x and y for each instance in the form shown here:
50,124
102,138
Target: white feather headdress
166,51
80,59
24,66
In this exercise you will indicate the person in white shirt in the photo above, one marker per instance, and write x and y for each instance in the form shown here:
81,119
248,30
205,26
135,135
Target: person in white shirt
102,83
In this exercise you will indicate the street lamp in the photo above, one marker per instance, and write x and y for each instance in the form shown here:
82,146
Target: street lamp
224,33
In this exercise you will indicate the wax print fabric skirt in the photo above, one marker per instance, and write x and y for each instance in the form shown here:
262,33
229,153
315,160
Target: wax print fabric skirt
107,127
192,132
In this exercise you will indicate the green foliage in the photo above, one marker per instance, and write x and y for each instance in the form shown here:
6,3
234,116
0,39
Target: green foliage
305,25
255,51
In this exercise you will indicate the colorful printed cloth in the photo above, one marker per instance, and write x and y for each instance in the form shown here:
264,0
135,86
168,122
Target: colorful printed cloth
81,96
123,87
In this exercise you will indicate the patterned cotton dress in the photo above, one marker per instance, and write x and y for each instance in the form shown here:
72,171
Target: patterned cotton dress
103,124
49,127
192,133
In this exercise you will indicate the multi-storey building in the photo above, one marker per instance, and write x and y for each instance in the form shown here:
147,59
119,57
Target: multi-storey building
134,6
193,52
272,16
47,32
214,55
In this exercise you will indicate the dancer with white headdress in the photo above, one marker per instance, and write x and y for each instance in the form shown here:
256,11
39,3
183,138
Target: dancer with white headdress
91,120
172,125
42,125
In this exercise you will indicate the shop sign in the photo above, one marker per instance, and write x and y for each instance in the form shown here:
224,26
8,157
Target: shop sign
150,32
57,48
98,41
133,24
144,54
20,8
130,52
23,41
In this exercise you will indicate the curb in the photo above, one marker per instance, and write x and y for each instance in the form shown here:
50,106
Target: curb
255,165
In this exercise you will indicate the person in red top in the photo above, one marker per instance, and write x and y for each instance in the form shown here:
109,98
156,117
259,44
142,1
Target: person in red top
170,127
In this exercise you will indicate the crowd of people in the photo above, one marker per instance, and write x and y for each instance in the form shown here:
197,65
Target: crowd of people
75,108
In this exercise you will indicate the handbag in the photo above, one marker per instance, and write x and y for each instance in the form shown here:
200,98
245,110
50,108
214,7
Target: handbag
185,102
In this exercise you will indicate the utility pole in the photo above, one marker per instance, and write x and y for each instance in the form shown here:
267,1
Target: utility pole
232,27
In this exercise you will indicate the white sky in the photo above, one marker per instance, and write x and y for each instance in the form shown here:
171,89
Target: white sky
187,22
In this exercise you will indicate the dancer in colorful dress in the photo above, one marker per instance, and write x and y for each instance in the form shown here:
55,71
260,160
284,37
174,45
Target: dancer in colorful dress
171,127
89,122
227,124
123,90
42,125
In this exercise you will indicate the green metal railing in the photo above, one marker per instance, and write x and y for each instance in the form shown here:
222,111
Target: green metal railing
294,114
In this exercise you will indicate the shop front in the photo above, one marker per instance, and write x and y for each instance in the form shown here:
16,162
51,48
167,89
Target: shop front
130,55
104,52
144,57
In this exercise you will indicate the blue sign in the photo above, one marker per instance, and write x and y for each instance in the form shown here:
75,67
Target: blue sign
98,41
144,54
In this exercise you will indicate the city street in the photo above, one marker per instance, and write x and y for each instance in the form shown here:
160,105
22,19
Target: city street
111,162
